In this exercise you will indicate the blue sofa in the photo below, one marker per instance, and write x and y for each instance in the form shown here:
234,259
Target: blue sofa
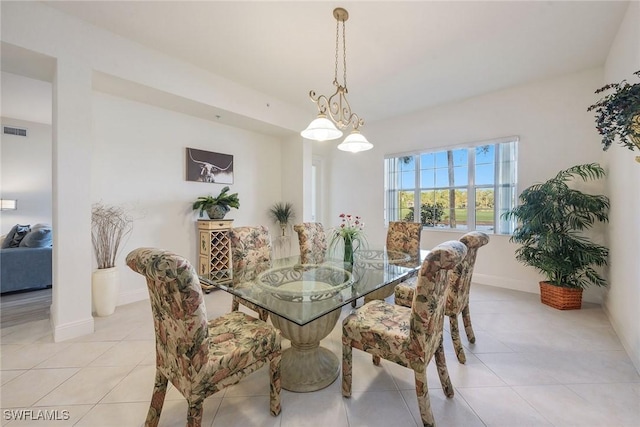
25,268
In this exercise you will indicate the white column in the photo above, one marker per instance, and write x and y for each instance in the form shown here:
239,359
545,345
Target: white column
72,250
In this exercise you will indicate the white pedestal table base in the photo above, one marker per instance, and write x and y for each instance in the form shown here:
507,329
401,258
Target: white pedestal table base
305,365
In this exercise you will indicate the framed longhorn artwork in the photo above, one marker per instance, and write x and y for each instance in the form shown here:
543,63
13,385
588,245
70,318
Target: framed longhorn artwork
207,166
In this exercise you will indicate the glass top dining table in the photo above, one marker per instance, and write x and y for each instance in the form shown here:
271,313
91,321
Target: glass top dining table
304,302
302,293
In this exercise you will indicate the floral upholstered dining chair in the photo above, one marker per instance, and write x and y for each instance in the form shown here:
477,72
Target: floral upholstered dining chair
250,255
407,336
402,236
199,357
313,242
458,299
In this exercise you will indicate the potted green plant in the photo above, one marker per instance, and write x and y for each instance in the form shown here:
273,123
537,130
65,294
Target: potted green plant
217,207
551,218
618,114
110,225
281,213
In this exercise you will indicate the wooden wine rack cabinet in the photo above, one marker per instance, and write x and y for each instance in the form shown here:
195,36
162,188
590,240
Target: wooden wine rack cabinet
214,253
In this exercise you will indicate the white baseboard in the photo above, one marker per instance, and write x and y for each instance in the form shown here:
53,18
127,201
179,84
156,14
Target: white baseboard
84,327
633,356
71,330
593,294
133,296
507,283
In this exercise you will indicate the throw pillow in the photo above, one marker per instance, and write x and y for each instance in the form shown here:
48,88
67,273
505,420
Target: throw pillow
41,225
8,237
40,236
15,236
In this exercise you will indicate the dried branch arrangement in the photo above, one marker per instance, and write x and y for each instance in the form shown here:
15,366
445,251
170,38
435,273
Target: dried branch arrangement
109,226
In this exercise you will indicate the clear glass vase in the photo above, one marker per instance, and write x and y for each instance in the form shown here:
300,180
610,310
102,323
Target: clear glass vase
348,251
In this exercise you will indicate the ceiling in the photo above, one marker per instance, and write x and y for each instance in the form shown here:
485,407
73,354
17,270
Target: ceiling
401,56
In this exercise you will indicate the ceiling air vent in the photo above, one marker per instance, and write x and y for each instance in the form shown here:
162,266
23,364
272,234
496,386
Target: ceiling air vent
15,131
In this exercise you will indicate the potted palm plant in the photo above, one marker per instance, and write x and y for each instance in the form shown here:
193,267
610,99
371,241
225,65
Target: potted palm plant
110,225
281,213
217,207
618,115
551,219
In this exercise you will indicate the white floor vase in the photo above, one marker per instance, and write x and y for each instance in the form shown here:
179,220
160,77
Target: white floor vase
104,287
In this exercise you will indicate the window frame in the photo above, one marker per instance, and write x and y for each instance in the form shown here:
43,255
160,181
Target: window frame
499,227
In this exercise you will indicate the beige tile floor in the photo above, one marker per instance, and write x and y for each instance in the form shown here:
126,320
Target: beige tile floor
530,366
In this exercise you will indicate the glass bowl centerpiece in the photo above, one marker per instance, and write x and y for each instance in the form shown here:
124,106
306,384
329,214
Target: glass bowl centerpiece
305,282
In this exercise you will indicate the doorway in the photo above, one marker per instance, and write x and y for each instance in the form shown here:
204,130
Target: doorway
316,189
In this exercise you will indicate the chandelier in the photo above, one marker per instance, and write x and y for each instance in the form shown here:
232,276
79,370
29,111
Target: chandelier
334,113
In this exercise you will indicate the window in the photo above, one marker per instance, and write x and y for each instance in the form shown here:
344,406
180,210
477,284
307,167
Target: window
462,188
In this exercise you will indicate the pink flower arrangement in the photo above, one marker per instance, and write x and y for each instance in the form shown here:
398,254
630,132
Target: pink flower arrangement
350,230
351,225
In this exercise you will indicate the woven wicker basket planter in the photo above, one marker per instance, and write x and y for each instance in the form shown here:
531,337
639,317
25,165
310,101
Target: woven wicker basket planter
560,298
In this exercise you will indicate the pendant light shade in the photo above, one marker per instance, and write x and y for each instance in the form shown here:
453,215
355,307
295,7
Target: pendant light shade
321,129
355,143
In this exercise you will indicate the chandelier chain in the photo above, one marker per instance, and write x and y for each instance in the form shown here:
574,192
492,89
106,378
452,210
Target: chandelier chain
335,76
344,55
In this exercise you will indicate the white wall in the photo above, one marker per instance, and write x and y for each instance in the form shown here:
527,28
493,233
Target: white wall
80,53
18,94
555,131
623,298
25,174
139,163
